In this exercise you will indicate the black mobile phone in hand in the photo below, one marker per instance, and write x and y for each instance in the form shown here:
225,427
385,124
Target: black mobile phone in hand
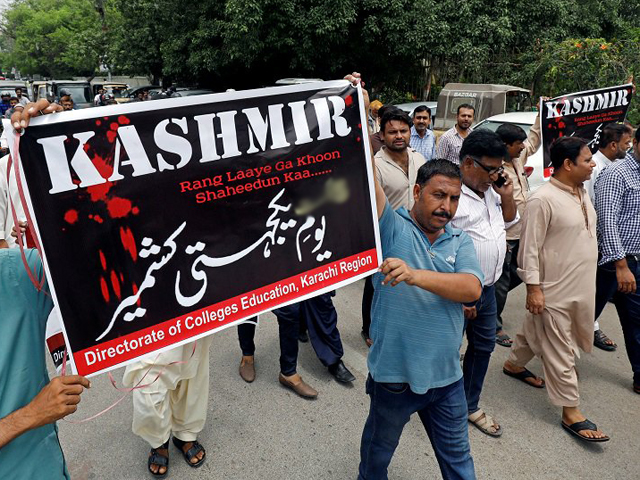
500,181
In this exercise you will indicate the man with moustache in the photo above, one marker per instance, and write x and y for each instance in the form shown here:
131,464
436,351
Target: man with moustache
396,168
558,257
451,141
423,140
417,323
486,208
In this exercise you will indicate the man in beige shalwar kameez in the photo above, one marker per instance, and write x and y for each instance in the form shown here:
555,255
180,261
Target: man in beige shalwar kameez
557,261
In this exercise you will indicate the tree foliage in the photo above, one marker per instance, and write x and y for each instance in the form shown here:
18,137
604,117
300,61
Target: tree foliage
404,48
55,38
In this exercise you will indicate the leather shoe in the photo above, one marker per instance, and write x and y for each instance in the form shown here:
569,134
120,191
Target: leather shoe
341,373
295,383
247,370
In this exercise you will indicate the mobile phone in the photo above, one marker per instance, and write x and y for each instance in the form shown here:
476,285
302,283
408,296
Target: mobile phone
500,181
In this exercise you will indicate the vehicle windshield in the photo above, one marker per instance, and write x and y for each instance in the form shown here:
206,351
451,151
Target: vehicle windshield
518,102
118,92
493,125
79,93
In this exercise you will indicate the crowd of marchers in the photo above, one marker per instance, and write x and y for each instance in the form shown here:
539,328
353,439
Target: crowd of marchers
459,228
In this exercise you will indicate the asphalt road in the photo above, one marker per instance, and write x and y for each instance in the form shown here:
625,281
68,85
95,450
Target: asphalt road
262,431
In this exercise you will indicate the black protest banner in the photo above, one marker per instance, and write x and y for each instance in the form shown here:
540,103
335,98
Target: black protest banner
583,115
164,221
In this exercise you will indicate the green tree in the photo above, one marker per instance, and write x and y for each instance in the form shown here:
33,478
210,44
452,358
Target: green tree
582,64
53,38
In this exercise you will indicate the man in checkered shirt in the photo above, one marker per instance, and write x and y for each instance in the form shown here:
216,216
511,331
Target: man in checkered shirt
617,192
450,142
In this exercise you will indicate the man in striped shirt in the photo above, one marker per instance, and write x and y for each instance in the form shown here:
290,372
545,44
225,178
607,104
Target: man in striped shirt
617,192
451,141
485,209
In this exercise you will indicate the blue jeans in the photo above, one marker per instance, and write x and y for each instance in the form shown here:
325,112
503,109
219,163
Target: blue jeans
443,412
481,338
627,305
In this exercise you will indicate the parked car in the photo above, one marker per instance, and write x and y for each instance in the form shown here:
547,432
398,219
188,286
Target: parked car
410,107
116,89
11,85
534,167
79,90
132,93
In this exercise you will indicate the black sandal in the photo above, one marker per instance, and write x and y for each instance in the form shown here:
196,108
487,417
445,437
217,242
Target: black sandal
522,376
160,460
601,341
504,340
575,428
191,453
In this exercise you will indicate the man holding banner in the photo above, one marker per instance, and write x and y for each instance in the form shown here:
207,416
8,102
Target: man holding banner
30,403
417,325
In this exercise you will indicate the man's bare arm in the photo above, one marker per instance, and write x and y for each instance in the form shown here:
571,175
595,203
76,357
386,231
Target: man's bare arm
56,400
381,198
458,287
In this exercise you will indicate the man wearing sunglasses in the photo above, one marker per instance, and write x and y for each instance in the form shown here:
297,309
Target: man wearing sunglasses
486,208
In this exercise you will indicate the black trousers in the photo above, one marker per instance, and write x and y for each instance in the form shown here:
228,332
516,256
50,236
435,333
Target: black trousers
508,280
627,306
321,318
367,300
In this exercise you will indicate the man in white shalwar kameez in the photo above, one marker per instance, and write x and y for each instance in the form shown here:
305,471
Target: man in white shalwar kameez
176,403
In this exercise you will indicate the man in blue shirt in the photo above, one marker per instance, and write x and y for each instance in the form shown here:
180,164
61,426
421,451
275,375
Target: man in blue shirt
429,270
617,192
422,138
29,404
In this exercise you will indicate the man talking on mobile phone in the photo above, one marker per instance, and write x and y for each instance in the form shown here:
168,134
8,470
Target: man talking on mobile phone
486,208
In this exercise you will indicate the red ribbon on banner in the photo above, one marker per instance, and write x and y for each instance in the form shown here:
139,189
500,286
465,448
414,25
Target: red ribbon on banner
16,167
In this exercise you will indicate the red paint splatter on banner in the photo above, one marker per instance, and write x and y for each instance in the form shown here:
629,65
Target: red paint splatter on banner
99,192
561,125
348,101
113,126
118,207
135,210
129,242
98,219
123,120
121,277
359,125
111,136
358,139
71,216
103,260
98,122
115,284
105,289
